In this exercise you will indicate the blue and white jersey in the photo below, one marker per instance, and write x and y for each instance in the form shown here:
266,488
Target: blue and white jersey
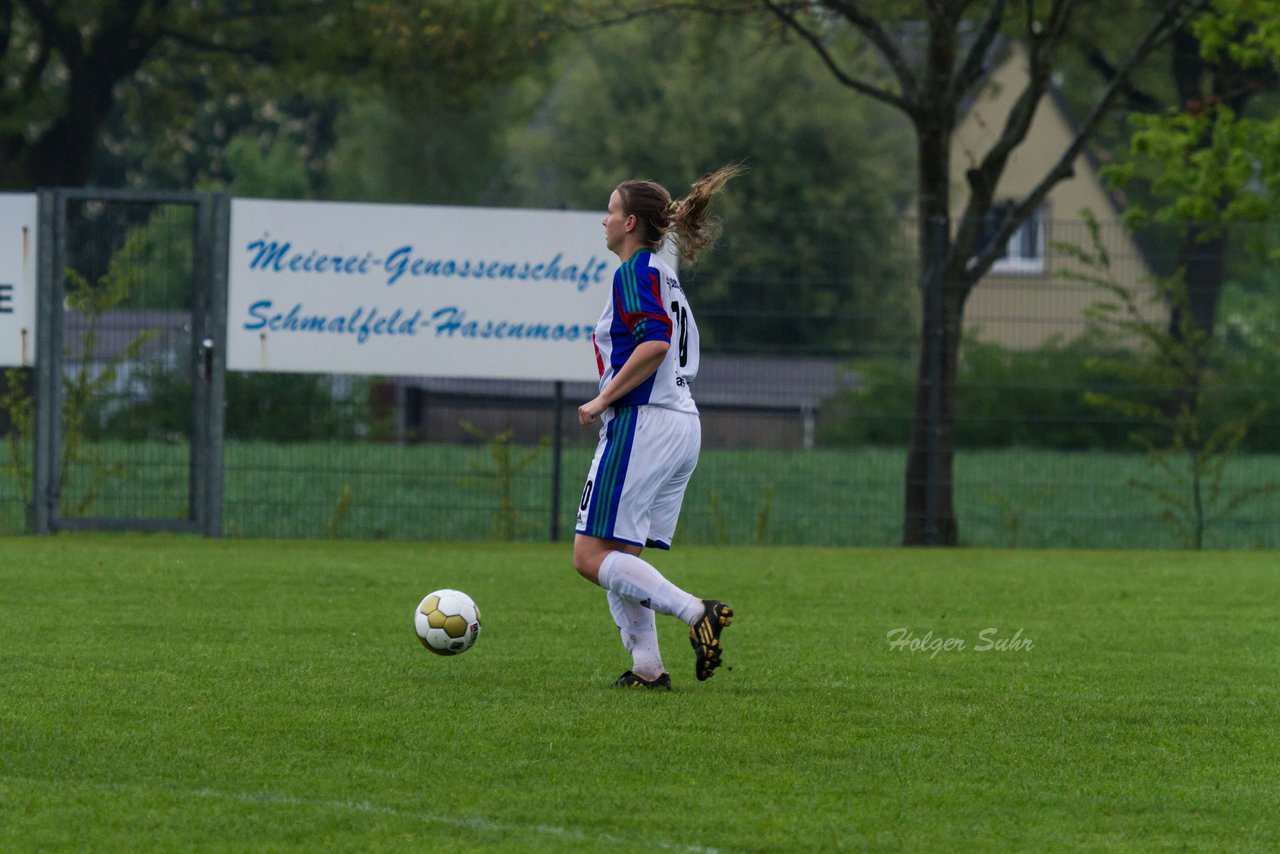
648,304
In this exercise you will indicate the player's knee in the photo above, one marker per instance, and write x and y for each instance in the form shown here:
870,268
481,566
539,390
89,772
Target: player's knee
586,561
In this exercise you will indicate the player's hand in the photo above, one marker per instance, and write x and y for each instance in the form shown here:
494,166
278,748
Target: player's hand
589,412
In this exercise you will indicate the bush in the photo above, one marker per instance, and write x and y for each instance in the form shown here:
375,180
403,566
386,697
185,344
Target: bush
270,407
1006,398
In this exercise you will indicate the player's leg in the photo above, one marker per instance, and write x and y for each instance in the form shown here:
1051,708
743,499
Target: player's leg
685,443
618,568
599,513
641,452
704,633
636,580
635,457
645,511
638,629
590,552
607,517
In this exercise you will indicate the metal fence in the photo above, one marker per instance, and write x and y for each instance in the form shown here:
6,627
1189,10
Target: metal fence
1066,434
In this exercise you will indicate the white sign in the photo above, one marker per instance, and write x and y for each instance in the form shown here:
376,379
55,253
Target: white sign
17,279
335,287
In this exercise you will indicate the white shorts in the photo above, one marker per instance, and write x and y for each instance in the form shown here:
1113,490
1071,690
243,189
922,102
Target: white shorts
636,485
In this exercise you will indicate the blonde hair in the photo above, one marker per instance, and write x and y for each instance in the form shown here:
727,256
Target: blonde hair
686,219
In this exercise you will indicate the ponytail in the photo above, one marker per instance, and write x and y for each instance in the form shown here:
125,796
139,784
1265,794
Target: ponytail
694,229
685,219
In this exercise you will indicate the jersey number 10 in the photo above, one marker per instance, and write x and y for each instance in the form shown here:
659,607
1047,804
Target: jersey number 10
681,316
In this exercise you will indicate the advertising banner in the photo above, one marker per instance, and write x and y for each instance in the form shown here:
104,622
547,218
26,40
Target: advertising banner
335,287
17,279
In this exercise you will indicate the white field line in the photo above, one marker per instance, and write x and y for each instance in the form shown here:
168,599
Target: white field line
452,821
481,824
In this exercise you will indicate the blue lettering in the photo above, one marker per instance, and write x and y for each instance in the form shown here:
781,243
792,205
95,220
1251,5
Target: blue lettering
395,264
269,255
409,326
453,322
366,328
553,267
278,257
288,321
256,311
592,272
446,320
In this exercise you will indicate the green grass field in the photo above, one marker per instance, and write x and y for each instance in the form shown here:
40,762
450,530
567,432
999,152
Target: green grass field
175,694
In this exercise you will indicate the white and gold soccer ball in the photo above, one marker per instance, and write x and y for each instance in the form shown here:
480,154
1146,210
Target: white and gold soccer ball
447,622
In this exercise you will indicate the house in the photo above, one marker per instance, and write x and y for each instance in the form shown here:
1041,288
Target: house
121,351
745,402
1025,300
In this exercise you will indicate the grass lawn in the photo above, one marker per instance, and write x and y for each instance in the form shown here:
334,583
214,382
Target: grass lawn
167,693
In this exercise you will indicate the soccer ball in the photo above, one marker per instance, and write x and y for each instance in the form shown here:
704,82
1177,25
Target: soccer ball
447,622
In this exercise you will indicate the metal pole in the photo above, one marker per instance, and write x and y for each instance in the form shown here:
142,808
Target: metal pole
201,358
557,446
215,326
46,447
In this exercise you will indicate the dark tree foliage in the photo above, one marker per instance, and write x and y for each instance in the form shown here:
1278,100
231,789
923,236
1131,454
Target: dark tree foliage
69,69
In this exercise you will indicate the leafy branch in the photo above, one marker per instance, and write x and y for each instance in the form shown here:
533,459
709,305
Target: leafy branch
1185,444
87,385
500,475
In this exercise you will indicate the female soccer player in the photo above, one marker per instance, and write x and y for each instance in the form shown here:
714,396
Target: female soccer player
647,353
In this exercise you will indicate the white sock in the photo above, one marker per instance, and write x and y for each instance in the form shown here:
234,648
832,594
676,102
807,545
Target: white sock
637,581
639,631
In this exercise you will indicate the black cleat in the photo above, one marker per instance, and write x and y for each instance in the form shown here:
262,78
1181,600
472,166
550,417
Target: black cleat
705,637
631,679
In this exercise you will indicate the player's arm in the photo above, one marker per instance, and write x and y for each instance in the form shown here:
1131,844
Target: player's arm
640,365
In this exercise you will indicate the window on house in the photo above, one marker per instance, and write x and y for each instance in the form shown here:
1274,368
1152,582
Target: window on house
1024,253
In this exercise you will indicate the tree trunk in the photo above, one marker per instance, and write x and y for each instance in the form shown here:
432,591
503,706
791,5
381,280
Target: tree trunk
929,514
63,157
930,511
1202,252
63,154
1204,265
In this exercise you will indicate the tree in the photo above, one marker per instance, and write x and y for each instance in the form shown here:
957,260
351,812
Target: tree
386,151
808,257
66,65
1188,445
1207,160
930,58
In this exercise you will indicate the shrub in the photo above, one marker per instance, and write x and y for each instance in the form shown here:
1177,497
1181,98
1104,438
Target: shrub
1005,397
